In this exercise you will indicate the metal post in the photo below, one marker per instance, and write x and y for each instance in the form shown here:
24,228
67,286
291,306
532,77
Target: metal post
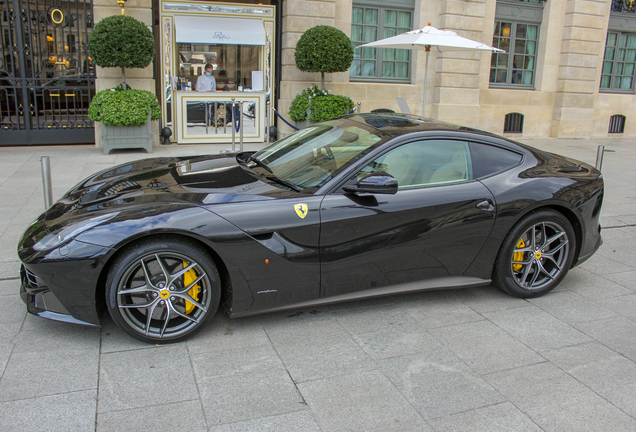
428,51
240,110
599,157
359,107
214,116
224,117
266,121
207,118
46,181
233,130
308,109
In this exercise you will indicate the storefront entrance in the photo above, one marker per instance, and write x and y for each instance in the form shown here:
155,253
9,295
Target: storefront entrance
229,45
47,79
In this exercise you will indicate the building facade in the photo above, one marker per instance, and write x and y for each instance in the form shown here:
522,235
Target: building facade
568,70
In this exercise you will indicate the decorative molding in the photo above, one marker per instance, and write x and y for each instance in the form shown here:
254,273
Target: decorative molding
403,4
526,12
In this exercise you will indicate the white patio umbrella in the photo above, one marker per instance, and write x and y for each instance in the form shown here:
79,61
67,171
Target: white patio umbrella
428,38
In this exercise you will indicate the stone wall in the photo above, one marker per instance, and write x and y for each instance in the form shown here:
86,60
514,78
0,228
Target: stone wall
140,79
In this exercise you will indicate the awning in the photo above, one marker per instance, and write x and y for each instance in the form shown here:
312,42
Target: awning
214,30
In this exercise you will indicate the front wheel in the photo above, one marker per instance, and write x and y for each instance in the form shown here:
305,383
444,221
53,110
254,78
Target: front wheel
535,255
162,290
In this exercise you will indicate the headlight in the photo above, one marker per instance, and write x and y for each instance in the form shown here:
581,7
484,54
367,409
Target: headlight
53,240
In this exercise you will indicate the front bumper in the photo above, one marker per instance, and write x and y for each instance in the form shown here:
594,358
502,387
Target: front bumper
41,301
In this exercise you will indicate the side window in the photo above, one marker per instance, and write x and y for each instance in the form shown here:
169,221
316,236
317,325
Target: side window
424,163
490,159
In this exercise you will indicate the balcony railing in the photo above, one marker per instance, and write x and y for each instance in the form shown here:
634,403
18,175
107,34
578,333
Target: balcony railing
624,6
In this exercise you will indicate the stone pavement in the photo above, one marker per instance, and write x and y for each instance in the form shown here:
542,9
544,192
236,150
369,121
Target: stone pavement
470,359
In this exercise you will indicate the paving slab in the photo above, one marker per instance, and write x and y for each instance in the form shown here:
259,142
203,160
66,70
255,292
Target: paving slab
625,279
487,299
224,333
9,270
438,309
54,372
159,418
142,378
438,383
66,412
301,421
484,347
623,305
316,348
503,417
536,329
591,285
244,384
616,333
571,307
558,402
603,370
361,402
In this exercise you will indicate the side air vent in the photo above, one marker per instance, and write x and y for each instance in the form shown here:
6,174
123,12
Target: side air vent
513,123
617,124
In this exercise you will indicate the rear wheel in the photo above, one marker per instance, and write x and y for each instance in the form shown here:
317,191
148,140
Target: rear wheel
536,254
162,290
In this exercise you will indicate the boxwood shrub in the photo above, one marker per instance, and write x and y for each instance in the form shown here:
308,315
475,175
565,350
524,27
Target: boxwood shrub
117,107
121,41
323,106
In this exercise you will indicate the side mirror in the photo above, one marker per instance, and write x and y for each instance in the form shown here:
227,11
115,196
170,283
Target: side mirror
378,182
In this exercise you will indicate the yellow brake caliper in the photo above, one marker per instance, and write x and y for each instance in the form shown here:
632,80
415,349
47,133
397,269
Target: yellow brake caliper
189,277
518,256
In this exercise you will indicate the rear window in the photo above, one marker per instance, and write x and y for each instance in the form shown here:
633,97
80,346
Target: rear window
489,159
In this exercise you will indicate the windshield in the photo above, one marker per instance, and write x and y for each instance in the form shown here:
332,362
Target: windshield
312,156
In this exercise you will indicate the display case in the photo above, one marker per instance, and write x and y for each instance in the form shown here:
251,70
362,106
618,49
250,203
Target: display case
206,117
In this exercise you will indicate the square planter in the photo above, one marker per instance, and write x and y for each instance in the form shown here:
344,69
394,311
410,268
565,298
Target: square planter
125,137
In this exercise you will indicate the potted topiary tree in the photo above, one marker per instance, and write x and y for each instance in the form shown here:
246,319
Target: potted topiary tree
323,49
126,114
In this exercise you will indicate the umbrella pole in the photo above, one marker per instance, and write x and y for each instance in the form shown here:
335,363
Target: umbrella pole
428,51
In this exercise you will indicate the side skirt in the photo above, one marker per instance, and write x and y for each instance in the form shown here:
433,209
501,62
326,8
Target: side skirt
432,284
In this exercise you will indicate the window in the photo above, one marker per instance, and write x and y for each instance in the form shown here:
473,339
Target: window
617,124
619,63
517,33
232,64
370,22
489,159
513,123
424,163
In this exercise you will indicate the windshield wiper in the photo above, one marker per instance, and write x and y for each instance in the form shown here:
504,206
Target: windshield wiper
278,180
260,163
283,182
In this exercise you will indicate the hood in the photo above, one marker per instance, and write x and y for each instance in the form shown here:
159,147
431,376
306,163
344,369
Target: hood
197,180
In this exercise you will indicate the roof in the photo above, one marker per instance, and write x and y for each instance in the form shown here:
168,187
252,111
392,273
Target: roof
398,124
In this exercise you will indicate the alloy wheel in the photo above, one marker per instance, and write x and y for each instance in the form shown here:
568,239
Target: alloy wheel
540,255
164,295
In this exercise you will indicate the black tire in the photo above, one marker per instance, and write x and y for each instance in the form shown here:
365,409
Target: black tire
532,265
148,278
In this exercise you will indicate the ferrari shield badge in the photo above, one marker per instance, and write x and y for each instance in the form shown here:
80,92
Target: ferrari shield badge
301,210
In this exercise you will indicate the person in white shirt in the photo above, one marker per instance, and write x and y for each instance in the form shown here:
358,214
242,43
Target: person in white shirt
206,82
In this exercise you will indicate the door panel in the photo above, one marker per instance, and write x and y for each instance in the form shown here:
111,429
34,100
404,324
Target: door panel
416,234
288,241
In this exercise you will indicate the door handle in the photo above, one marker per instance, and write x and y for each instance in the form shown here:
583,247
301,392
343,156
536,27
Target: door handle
485,205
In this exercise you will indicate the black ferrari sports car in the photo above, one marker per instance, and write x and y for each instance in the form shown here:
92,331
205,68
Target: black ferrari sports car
358,206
